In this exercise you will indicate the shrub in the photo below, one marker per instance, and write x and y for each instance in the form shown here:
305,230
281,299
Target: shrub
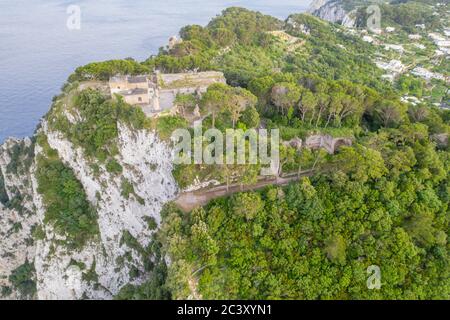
22,280
114,167
104,70
151,222
127,189
67,207
166,125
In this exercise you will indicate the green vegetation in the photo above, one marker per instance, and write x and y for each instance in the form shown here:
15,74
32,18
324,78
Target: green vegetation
166,125
378,204
154,288
5,291
15,203
186,103
404,14
22,281
67,207
151,223
3,195
104,70
38,232
153,264
223,107
91,275
21,157
97,131
79,264
382,201
114,167
128,189
202,44
230,102
411,85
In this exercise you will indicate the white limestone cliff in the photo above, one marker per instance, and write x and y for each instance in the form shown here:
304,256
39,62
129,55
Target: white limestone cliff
333,11
64,274
17,216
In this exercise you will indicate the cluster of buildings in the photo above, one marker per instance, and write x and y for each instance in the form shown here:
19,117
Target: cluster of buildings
394,67
443,43
428,75
156,92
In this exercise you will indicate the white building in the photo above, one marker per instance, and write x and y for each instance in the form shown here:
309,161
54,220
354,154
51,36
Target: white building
390,29
414,37
395,66
420,46
396,47
427,74
368,39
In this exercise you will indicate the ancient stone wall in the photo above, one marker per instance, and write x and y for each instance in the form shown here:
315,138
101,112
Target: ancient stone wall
327,142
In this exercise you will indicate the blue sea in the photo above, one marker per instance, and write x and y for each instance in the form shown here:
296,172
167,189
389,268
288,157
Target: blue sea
38,51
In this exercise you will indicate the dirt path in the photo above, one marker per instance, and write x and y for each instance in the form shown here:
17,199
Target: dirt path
188,201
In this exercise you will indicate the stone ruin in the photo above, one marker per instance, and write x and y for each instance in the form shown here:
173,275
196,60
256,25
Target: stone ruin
314,142
330,144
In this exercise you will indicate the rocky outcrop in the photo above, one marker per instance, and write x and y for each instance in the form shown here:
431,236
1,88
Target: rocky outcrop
333,11
147,167
17,215
316,5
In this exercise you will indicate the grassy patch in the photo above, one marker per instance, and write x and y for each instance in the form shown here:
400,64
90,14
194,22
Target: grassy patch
91,275
127,189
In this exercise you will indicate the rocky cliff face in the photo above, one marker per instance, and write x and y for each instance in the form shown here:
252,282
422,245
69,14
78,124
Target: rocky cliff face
35,261
17,214
333,11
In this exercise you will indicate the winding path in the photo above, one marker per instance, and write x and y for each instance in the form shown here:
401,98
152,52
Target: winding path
188,201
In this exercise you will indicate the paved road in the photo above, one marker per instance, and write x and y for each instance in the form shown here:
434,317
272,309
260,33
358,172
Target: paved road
188,201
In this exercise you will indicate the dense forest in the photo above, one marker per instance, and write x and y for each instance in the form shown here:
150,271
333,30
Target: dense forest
376,203
382,201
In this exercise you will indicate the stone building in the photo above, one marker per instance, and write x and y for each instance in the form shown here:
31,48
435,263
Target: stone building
157,92
136,96
134,89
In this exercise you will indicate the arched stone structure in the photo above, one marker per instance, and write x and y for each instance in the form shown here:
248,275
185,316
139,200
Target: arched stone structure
339,142
327,142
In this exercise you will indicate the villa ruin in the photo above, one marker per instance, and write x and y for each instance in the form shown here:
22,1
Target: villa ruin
156,92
